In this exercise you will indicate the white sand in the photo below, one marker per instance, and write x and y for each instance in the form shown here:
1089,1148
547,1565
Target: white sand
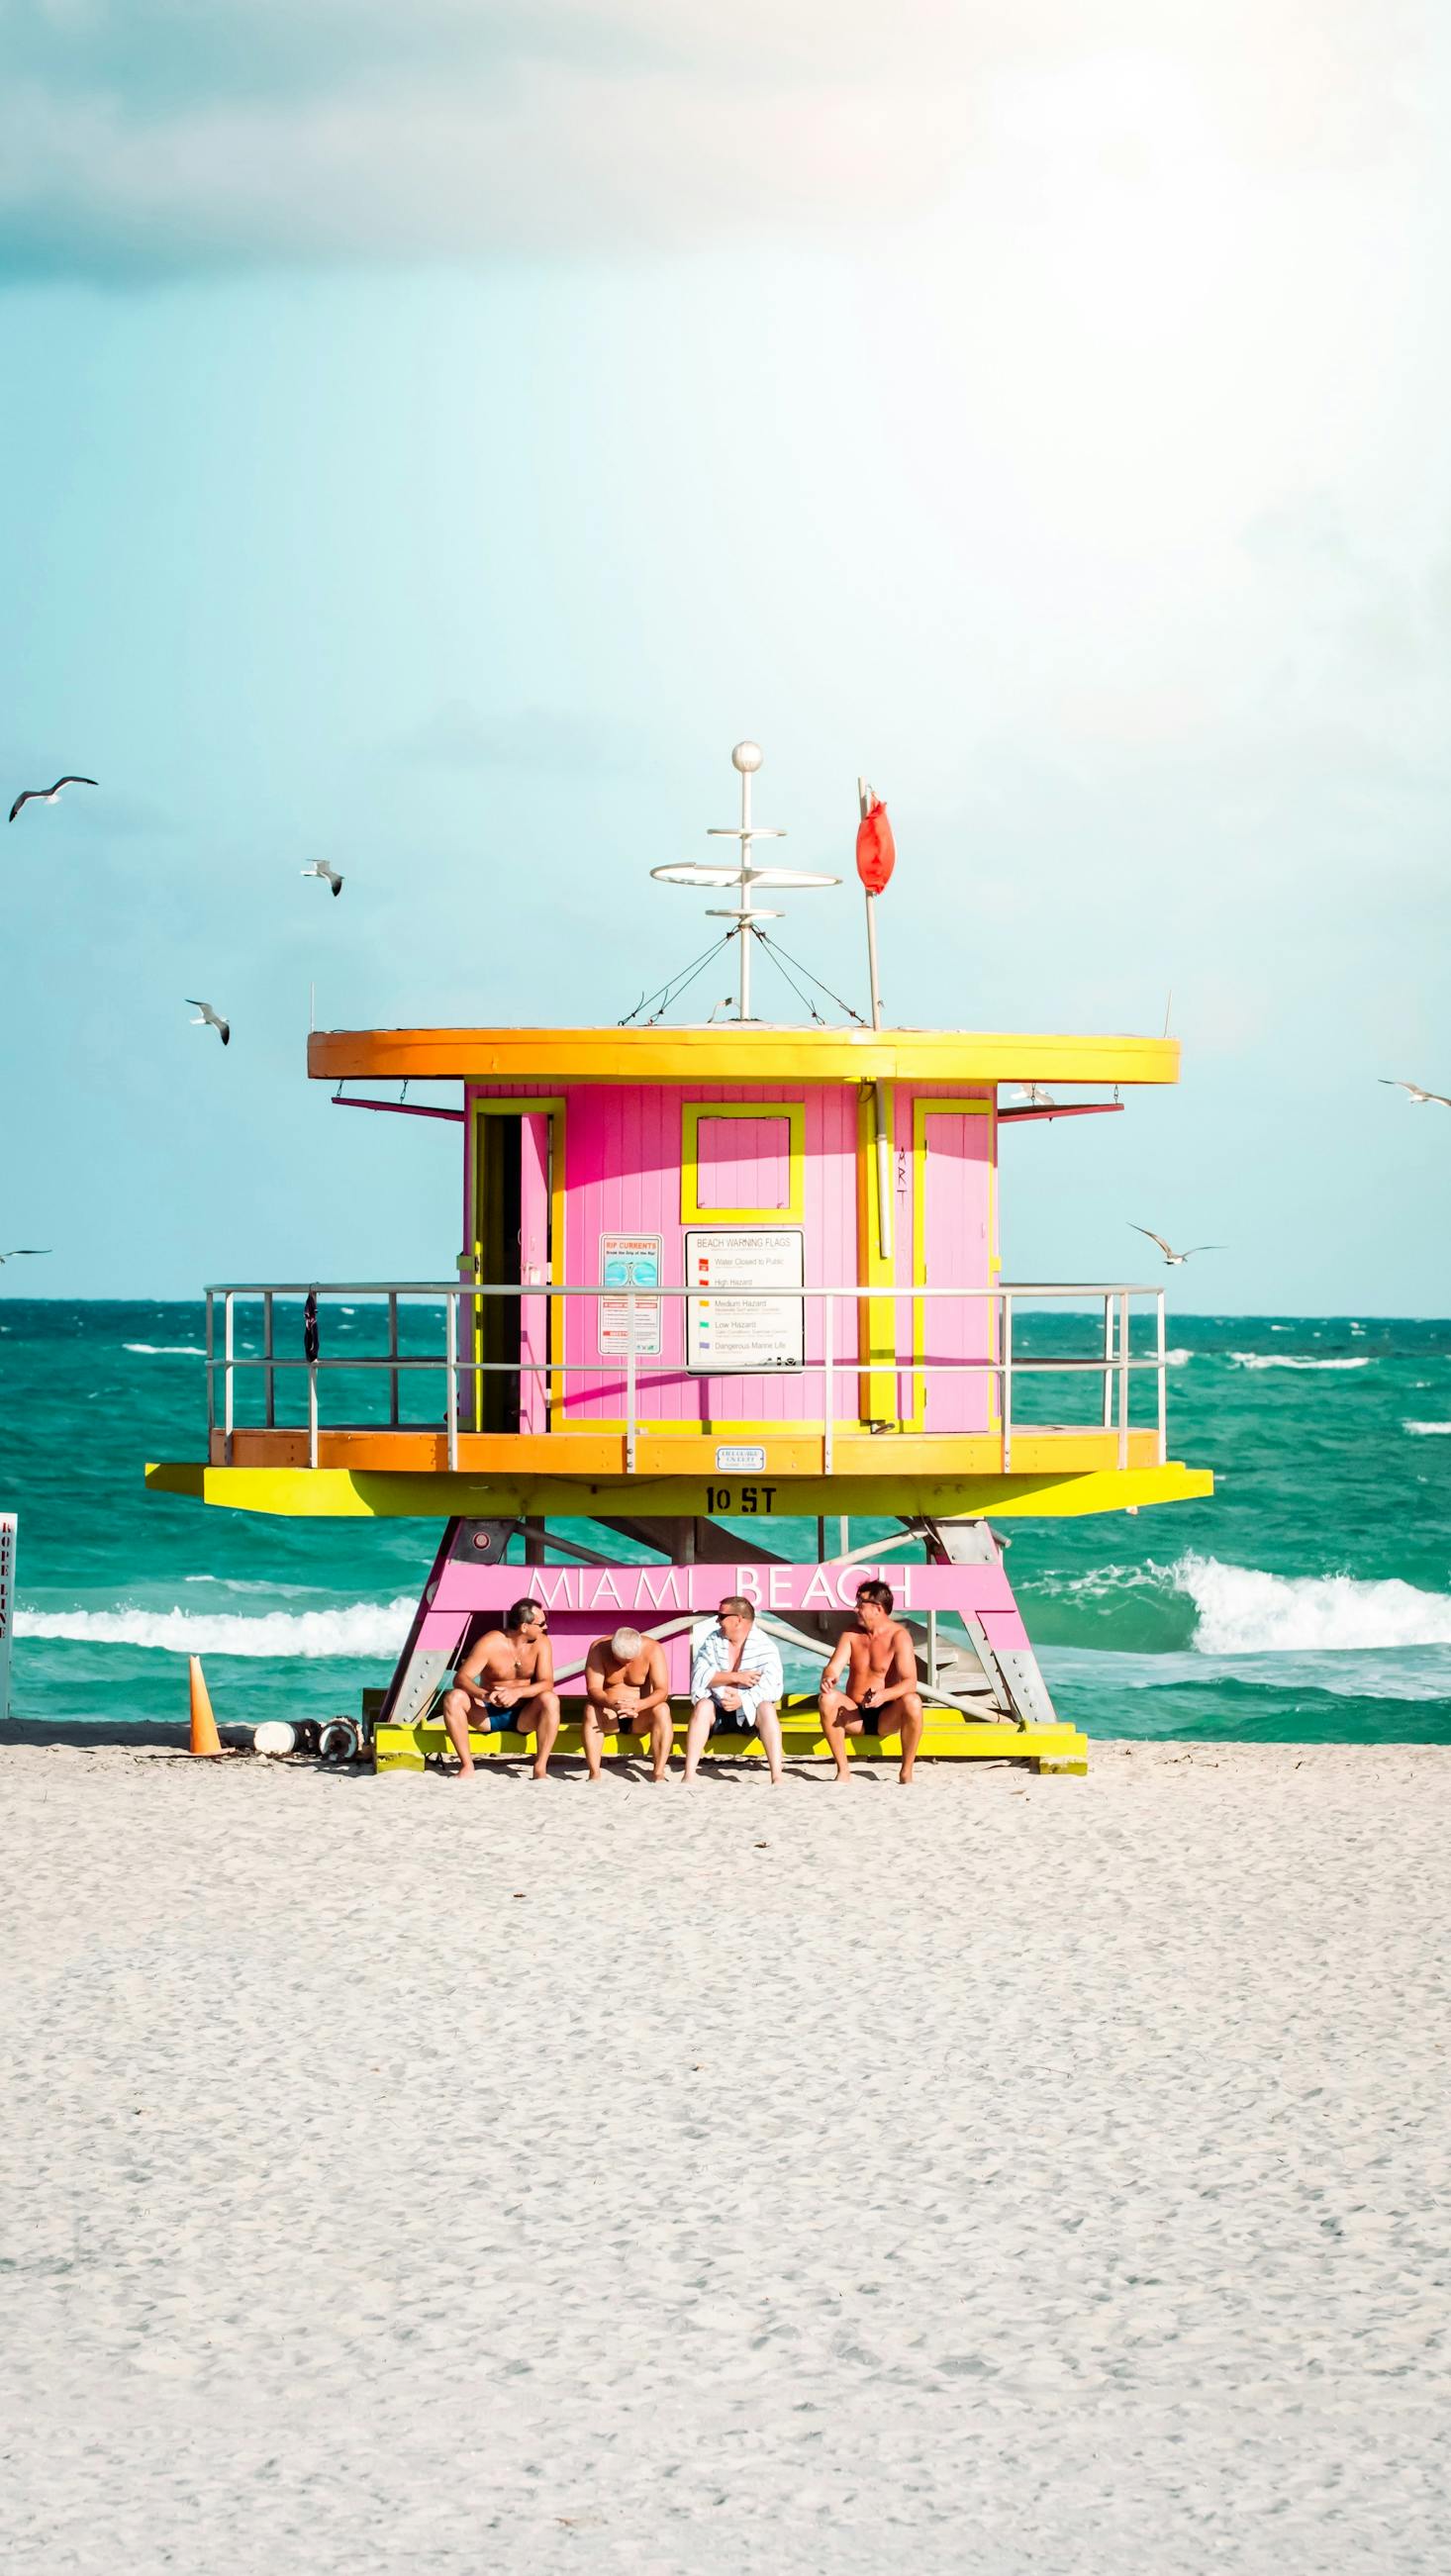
1001,2175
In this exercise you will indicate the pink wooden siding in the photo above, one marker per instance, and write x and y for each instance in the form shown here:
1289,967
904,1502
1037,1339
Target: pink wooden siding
623,1161
743,1162
623,1152
956,1247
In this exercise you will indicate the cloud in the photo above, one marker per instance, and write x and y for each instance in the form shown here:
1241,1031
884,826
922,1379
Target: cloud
154,137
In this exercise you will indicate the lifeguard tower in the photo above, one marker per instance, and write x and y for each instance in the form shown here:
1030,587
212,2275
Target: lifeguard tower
728,1317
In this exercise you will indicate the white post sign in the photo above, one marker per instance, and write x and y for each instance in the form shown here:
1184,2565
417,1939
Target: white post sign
7,1604
630,1261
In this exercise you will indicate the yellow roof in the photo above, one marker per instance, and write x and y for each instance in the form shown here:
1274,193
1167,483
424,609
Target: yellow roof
728,1052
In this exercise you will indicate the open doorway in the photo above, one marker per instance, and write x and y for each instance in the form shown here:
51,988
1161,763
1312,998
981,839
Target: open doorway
517,1164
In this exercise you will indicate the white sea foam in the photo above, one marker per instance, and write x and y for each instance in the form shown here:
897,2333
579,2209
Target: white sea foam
1178,1359
1286,1359
363,1628
1244,1612
1427,1430
166,1350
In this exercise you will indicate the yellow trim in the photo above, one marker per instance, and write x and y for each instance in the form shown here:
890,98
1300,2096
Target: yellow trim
343,1493
556,1110
691,1114
922,1110
878,1384
728,1053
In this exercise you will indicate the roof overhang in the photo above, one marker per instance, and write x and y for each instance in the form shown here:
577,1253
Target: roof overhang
731,1053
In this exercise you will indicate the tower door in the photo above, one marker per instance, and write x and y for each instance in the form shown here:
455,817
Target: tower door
513,1167
953,1156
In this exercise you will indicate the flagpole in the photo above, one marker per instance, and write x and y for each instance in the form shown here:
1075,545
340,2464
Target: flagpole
864,798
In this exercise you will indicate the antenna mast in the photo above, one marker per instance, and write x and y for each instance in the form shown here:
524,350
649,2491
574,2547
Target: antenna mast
747,758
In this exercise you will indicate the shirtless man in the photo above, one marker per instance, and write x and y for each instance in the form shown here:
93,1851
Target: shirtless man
506,1680
880,1666
627,1690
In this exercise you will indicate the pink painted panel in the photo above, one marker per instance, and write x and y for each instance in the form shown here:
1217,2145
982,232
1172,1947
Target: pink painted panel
743,1162
1004,1630
956,1254
622,1176
645,1594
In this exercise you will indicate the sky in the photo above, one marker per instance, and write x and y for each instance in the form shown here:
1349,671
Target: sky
430,438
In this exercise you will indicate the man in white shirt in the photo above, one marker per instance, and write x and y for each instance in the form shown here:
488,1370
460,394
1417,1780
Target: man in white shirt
736,1682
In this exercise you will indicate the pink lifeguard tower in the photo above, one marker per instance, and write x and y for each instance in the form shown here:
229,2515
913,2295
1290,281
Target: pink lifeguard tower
727,1292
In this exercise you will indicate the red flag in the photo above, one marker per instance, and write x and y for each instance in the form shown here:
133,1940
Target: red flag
876,851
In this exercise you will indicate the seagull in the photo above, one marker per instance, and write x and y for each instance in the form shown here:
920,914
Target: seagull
1419,1097
1169,1254
48,795
1034,1092
26,1252
320,868
210,1019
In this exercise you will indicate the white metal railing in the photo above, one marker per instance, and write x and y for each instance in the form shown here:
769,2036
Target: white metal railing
1116,1363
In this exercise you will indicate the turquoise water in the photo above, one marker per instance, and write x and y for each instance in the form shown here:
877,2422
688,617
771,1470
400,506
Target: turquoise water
1309,1601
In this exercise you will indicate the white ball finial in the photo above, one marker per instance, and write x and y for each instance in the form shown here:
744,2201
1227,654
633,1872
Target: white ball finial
748,755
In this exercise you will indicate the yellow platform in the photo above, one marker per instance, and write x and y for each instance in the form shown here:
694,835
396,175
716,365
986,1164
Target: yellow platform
945,1737
359,1493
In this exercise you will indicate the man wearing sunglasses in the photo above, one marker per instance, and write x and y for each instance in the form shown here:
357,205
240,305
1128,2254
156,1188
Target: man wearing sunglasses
506,1682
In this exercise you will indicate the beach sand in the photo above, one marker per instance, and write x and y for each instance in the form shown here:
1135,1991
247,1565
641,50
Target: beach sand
1003,2174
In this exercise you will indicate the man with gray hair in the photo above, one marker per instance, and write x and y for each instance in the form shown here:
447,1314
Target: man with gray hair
627,1690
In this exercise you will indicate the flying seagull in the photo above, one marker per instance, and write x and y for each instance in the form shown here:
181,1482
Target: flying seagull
26,1252
1167,1250
210,1019
48,795
320,868
1419,1097
1034,1092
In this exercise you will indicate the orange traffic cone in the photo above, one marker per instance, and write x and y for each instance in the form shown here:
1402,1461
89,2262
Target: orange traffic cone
204,1736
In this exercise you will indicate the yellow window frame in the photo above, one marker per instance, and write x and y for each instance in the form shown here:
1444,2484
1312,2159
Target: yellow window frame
691,1114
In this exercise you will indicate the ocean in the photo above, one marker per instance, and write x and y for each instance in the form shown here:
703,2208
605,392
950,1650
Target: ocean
1310,1601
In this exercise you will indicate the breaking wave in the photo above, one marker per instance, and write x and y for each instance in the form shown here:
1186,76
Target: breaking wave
1244,1612
364,1628
1427,1430
1286,1359
166,1350
1204,1607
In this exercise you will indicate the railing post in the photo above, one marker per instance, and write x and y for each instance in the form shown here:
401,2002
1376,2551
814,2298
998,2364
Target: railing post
630,1375
393,1359
1108,1359
269,1373
450,1343
1163,1387
828,1453
1123,1379
227,1350
211,1378
1007,1379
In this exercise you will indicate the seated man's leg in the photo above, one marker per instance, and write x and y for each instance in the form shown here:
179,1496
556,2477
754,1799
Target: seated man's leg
768,1727
913,1718
592,1726
696,1732
662,1740
540,1717
457,1710
840,1718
